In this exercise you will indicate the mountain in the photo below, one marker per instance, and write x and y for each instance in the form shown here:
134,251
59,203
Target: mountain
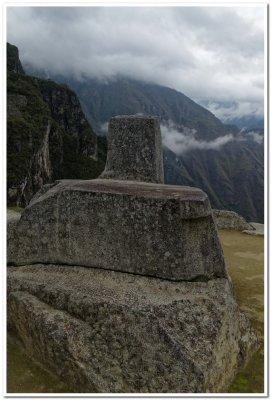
231,174
247,122
126,96
233,177
229,113
48,136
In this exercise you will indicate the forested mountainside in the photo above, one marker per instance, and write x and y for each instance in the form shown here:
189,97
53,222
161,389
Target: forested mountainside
48,135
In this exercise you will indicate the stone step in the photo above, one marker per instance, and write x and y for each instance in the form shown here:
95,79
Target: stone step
111,332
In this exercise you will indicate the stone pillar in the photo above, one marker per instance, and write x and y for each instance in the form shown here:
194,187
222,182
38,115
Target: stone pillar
134,149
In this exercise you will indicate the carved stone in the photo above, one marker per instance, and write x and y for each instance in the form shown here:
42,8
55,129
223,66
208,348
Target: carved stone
134,149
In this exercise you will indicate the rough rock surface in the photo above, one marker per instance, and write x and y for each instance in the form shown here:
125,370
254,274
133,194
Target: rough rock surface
115,329
106,331
148,229
230,220
134,149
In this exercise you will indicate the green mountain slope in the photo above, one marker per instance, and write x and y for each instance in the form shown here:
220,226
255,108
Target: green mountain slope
48,136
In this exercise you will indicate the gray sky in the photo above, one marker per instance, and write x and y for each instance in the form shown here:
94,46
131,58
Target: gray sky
214,53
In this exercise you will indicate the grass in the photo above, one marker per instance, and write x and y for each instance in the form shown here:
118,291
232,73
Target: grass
244,255
244,258
25,376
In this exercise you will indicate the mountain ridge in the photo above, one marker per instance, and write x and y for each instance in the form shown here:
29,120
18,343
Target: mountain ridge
48,136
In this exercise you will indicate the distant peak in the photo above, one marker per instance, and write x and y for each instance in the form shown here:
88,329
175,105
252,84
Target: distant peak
13,60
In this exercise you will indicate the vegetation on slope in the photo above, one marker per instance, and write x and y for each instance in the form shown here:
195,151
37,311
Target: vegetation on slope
48,136
27,119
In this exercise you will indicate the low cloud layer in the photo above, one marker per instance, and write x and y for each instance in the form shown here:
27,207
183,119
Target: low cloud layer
256,137
205,52
228,111
182,140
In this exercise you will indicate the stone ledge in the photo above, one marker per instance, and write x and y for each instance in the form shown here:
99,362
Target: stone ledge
183,194
105,331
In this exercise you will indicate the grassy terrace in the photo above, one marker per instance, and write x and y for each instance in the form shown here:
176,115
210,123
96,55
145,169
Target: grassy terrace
244,257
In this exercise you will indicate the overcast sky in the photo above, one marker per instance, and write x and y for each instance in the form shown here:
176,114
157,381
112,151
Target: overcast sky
213,53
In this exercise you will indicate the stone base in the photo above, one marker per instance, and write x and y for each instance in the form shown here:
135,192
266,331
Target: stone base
112,332
148,229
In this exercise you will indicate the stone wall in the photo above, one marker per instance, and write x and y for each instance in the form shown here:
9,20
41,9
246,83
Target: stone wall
113,332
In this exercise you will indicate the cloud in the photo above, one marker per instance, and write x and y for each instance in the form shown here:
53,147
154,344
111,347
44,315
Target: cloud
205,52
229,110
184,139
256,137
103,129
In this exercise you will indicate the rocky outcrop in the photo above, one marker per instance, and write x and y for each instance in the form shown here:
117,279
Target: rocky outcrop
149,305
230,220
13,61
48,136
113,332
65,108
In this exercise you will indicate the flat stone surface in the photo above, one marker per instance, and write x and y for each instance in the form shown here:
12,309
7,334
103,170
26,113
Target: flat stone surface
183,194
105,331
134,149
147,229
